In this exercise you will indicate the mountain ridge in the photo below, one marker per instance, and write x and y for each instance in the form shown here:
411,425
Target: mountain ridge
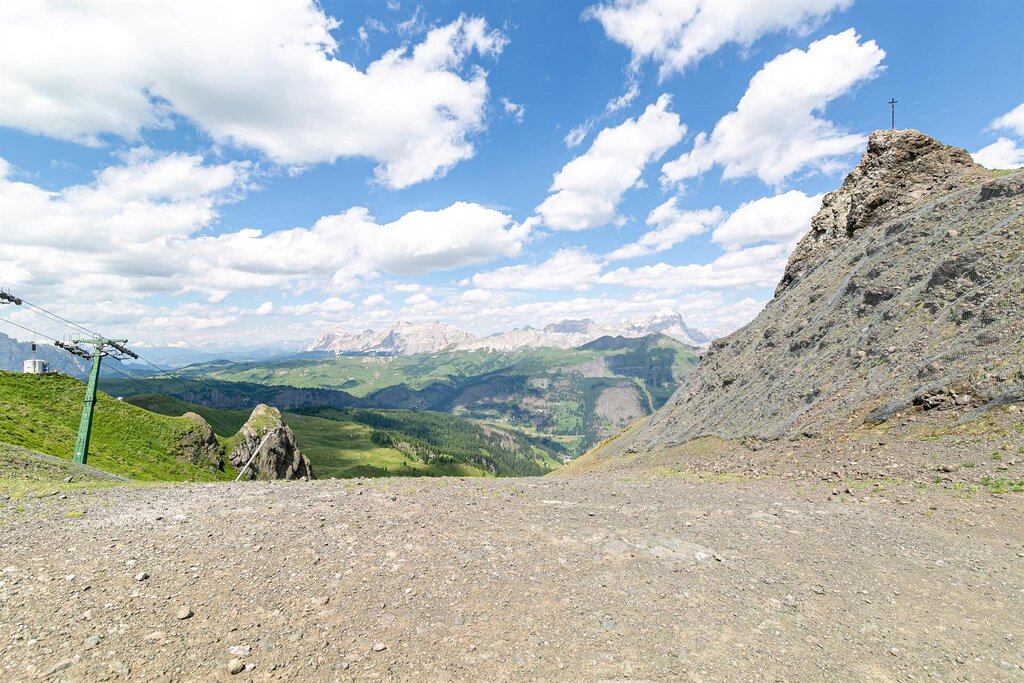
405,338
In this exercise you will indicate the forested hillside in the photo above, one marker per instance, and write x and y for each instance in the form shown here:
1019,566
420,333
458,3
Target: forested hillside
372,443
574,396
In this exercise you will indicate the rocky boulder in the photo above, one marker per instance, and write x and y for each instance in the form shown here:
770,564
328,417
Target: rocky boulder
279,456
198,445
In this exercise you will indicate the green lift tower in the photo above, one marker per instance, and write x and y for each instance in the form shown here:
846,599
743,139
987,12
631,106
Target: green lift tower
101,347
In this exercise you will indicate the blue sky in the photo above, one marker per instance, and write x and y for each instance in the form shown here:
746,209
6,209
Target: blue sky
488,164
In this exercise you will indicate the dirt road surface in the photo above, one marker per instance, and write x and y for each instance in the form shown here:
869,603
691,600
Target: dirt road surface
628,576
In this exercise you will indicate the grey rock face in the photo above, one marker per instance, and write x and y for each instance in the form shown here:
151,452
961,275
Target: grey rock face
899,169
279,457
907,294
199,444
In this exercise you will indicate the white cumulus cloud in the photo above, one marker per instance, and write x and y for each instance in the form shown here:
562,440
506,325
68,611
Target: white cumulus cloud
573,269
588,189
329,307
143,227
150,196
263,75
1012,120
776,129
1003,153
753,267
781,218
679,33
516,111
672,226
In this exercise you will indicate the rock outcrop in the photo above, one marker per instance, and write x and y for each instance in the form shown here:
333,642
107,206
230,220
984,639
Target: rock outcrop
279,457
199,444
899,169
906,294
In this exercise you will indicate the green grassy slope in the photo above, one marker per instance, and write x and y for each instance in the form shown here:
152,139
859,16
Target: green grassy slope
340,446
363,375
345,449
41,412
440,437
546,391
225,423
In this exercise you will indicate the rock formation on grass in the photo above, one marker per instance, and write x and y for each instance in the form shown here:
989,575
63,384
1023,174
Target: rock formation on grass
279,457
906,294
199,444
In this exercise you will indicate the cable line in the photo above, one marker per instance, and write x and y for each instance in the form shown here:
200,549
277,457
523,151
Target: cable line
100,342
164,392
176,376
28,329
61,318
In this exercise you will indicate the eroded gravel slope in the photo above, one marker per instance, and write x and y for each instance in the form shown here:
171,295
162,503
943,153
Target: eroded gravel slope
627,576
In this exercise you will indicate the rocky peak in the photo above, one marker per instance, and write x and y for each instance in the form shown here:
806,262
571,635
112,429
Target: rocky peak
898,170
199,444
907,296
279,457
670,323
404,338
570,326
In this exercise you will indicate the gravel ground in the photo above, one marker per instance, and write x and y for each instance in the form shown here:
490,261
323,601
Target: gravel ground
621,576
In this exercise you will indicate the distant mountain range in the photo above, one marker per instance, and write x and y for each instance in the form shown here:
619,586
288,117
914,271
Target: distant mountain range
569,398
404,338
14,353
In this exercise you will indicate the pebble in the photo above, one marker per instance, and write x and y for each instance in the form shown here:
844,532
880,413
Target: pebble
894,651
379,647
183,613
58,667
141,576
239,650
235,666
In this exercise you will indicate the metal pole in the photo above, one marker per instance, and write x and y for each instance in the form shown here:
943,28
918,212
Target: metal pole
85,426
253,456
892,113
